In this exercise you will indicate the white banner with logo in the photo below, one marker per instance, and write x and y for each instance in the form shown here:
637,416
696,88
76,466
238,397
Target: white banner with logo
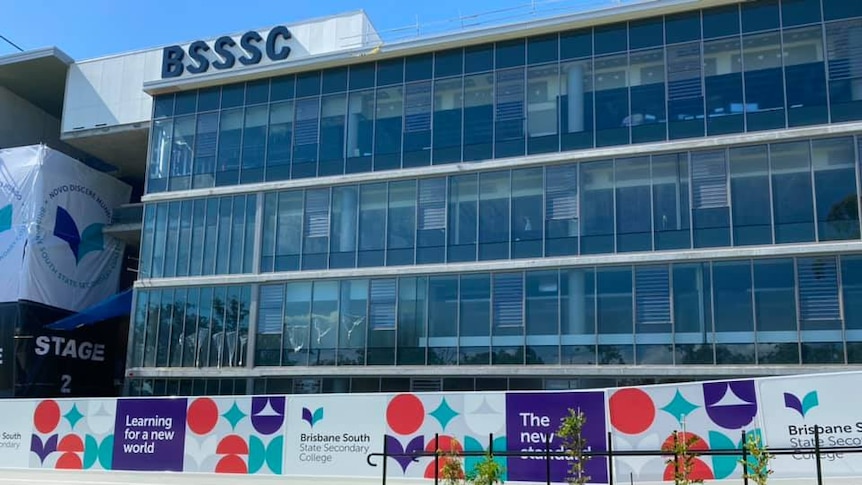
18,175
799,404
69,263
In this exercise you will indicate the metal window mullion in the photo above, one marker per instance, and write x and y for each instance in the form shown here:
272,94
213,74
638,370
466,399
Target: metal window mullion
302,225
840,280
633,304
357,231
509,215
386,221
447,188
258,231
711,267
130,340
781,31
197,325
244,109
753,309
170,327
664,48
822,25
691,223
771,192
395,330
614,185
742,73
416,184
523,317
798,293
183,332
283,320
478,178
652,236
856,172
671,312
463,111
728,195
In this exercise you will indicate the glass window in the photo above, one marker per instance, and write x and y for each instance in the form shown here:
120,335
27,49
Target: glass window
305,138
177,330
448,111
671,213
685,90
683,27
417,124
316,229
297,313
253,144
280,141
184,245
478,117
648,120
805,76
189,339
372,224
163,106
411,320
185,102
448,63
332,122
223,241
841,9
764,86
442,320
709,192
206,136
792,201
614,303
761,15
561,210
612,100
541,317
431,221
160,155
232,95
342,239
308,84
360,131
387,128
576,44
382,322
734,323
576,105
335,80
611,38
210,236
508,318
229,144
182,152
419,67
819,308
475,317
250,230
633,204
797,12
844,52
478,58
646,33
147,241
720,21
173,232
267,252
494,194
288,238
509,112
325,319
851,284
362,76
401,226
526,213
269,325
463,215
354,308
257,92
206,324
390,72
835,188
775,301
725,109
282,87
750,193
217,335
652,299
543,48
578,315
692,313
510,53
597,207
543,98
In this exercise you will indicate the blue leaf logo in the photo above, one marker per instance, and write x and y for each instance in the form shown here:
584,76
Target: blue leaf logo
807,403
310,417
80,243
6,218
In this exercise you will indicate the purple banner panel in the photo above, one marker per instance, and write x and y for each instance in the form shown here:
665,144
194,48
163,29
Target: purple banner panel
149,434
533,418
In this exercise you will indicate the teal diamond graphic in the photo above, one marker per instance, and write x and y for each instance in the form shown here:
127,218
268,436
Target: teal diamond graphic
234,415
444,413
679,407
73,416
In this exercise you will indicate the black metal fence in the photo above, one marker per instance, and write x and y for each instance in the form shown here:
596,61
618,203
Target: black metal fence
816,451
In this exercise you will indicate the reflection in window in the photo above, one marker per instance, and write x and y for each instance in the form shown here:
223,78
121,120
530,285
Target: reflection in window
509,113
160,155
181,152
206,134
750,192
764,83
633,205
835,188
494,194
478,116
709,199
526,213
543,101
280,141
725,109
417,124
576,105
597,207
342,238
844,52
401,225
648,120
463,215
448,103
671,202
305,138
353,320
804,76
387,128
332,119
685,90
316,229
372,224
612,100
360,131
791,192
229,143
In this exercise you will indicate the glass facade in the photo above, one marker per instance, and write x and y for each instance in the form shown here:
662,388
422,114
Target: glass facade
780,193
742,68
750,311
239,299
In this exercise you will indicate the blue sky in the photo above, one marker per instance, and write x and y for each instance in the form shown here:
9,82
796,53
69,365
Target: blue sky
91,28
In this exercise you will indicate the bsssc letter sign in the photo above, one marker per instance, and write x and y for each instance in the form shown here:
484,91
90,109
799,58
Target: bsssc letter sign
225,52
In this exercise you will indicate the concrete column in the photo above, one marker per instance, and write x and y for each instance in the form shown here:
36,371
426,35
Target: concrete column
577,324
575,92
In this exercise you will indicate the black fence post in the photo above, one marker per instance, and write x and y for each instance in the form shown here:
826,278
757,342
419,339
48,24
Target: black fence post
491,445
548,460
436,458
385,458
610,459
744,460
817,454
